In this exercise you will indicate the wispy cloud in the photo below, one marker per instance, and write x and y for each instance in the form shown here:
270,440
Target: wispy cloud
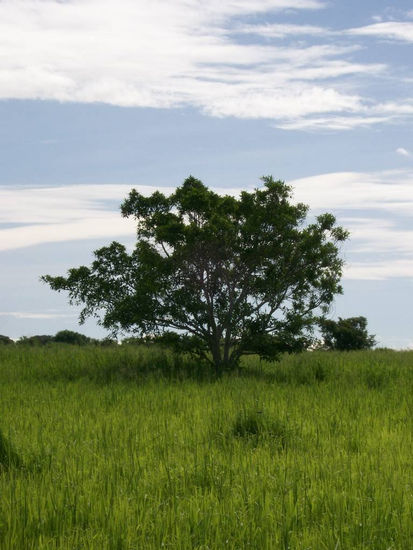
56,214
190,53
280,30
329,123
388,191
403,152
391,30
378,271
36,315
375,206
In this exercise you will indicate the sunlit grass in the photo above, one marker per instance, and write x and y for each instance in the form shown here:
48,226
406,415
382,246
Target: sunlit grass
313,452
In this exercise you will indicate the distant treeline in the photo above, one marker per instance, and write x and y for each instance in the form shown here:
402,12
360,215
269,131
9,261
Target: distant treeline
78,339
342,335
61,337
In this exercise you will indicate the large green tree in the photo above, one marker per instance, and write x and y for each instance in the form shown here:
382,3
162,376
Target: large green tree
226,275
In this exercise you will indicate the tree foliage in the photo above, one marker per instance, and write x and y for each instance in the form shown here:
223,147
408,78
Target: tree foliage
217,276
347,334
71,337
36,340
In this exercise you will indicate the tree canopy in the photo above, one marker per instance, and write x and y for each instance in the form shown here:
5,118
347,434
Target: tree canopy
36,340
218,276
71,337
347,334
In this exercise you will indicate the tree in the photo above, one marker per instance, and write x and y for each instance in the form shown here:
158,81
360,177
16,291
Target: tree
107,342
36,340
5,340
346,334
71,337
219,276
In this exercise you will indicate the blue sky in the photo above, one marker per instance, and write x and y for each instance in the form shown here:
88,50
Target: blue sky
99,97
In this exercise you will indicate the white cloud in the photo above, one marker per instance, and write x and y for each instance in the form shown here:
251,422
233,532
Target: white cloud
378,236
153,53
57,214
392,30
280,30
110,225
397,109
375,206
363,115
332,122
35,315
376,271
388,191
403,152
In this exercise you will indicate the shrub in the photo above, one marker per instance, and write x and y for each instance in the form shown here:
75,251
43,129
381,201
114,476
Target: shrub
257,425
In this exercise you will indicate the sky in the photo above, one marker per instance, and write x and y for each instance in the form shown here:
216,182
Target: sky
99,97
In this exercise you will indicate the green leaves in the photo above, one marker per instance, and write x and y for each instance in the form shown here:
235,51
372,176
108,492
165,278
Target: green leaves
346,334
227,275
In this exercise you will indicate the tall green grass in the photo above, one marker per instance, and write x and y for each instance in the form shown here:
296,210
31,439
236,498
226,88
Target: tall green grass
132,449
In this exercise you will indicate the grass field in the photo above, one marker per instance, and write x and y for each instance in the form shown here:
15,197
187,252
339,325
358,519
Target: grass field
99,452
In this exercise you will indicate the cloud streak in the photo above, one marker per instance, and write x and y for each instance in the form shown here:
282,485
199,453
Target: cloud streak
58,214
375,206
35,315
389,30
389,192
189,53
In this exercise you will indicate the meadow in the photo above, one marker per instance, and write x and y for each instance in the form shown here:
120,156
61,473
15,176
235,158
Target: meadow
125,448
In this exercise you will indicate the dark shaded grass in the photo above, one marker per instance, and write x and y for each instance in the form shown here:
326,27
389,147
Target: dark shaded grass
68,363
53,363
8,455
257,425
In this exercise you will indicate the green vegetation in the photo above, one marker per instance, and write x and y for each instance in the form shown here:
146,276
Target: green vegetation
121,447
346,334
62,337
71,337
218,276
36,340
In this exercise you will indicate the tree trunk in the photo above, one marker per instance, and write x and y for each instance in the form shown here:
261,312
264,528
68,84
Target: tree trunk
216,355
222,357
